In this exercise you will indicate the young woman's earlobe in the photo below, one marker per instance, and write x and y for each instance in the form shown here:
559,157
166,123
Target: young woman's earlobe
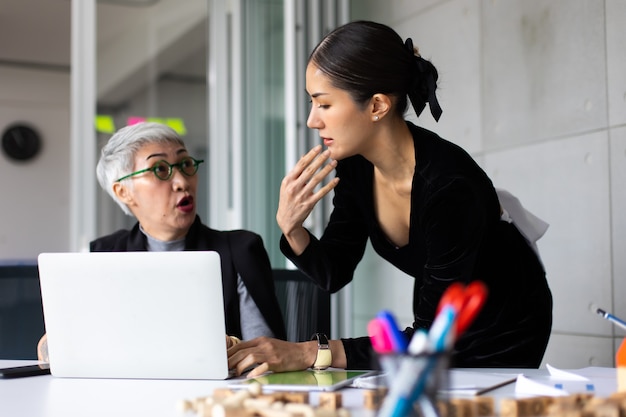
380,106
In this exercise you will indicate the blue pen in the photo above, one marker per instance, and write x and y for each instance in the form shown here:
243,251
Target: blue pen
441,333
619,322
398,339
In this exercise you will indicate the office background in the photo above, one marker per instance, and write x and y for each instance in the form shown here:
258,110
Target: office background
534,90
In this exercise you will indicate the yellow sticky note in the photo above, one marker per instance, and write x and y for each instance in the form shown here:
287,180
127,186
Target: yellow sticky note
104,124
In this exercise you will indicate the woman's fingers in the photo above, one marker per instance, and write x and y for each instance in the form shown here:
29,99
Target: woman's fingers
258,371
306,169
308,174
264,354
304,162
299,190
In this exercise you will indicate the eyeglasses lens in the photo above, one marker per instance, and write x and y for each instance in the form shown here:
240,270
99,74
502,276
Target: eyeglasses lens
188,166
162,170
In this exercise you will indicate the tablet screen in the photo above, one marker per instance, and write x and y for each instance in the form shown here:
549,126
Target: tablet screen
307,380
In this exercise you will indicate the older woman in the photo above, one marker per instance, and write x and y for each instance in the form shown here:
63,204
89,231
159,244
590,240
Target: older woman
148,171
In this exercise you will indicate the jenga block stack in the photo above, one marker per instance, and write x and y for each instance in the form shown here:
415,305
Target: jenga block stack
525,407
461,407
221,393
296,397
330,400
485,407
601,409
373,398
470,407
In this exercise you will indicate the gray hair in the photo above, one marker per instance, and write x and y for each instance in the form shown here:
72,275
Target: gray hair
117,157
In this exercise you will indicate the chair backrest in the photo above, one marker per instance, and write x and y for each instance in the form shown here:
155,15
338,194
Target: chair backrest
21,313
305,306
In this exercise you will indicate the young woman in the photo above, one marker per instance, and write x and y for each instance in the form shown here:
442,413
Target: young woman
424,204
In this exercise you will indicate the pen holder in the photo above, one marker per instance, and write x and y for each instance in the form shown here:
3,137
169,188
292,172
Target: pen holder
416,384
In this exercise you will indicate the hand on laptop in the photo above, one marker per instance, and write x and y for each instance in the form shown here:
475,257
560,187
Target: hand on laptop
42,349
270,355
232,341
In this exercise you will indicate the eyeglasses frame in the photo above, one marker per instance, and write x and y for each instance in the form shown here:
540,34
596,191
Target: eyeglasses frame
196,163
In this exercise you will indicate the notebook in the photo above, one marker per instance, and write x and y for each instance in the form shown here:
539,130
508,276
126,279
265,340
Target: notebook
153,315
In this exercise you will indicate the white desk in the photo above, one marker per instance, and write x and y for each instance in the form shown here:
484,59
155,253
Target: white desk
47,396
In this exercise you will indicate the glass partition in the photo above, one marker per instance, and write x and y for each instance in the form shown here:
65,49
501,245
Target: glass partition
151,64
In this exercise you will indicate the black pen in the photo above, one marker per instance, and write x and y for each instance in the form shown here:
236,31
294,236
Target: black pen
610,317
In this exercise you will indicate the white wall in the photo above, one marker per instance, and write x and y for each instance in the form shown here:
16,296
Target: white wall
34,195
536,91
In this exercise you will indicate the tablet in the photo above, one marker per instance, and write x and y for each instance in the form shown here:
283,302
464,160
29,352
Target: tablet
307,380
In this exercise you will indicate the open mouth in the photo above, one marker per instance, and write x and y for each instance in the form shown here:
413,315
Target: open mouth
185,203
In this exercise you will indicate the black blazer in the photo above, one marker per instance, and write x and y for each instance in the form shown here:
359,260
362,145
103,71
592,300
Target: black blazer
241,251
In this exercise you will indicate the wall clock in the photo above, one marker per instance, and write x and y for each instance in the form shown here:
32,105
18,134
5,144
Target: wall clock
21,142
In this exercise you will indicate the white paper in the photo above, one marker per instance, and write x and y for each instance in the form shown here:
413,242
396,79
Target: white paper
558,383
564,375
525,386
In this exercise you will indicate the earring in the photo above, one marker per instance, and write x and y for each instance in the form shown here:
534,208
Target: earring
375,118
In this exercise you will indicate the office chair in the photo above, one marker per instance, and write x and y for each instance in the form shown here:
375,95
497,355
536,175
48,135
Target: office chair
21,312
305,306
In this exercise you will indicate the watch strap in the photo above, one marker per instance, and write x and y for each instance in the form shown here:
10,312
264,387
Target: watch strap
324,356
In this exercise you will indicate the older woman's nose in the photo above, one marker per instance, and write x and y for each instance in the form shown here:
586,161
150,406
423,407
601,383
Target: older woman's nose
180,182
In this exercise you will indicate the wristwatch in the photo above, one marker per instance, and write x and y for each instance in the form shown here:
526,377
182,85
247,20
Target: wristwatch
324,356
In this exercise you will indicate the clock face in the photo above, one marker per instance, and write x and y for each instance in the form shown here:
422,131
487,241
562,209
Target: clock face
21,142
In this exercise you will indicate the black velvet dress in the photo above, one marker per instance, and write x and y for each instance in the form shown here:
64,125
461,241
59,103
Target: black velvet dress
455,235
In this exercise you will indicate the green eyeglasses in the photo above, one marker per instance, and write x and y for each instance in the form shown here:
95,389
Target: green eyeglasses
163,170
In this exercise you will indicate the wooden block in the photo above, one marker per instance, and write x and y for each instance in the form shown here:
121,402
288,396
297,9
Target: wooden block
327,412
562,409
620,395
485,406
571,404
443,407
222,410
605,409
373,398
296,397
300,409
259,402
236,400
255,389
186,405
525,407
330,400
461,407
221,393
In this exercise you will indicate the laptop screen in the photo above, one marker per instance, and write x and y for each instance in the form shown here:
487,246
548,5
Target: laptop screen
134,314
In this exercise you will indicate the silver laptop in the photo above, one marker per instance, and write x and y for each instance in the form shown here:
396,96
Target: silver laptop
154,315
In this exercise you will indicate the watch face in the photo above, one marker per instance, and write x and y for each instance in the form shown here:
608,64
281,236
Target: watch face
21,142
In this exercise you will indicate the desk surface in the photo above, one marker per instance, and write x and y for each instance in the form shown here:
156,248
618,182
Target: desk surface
66,397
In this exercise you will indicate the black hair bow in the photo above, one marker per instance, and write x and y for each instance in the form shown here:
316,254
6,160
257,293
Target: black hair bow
420,93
